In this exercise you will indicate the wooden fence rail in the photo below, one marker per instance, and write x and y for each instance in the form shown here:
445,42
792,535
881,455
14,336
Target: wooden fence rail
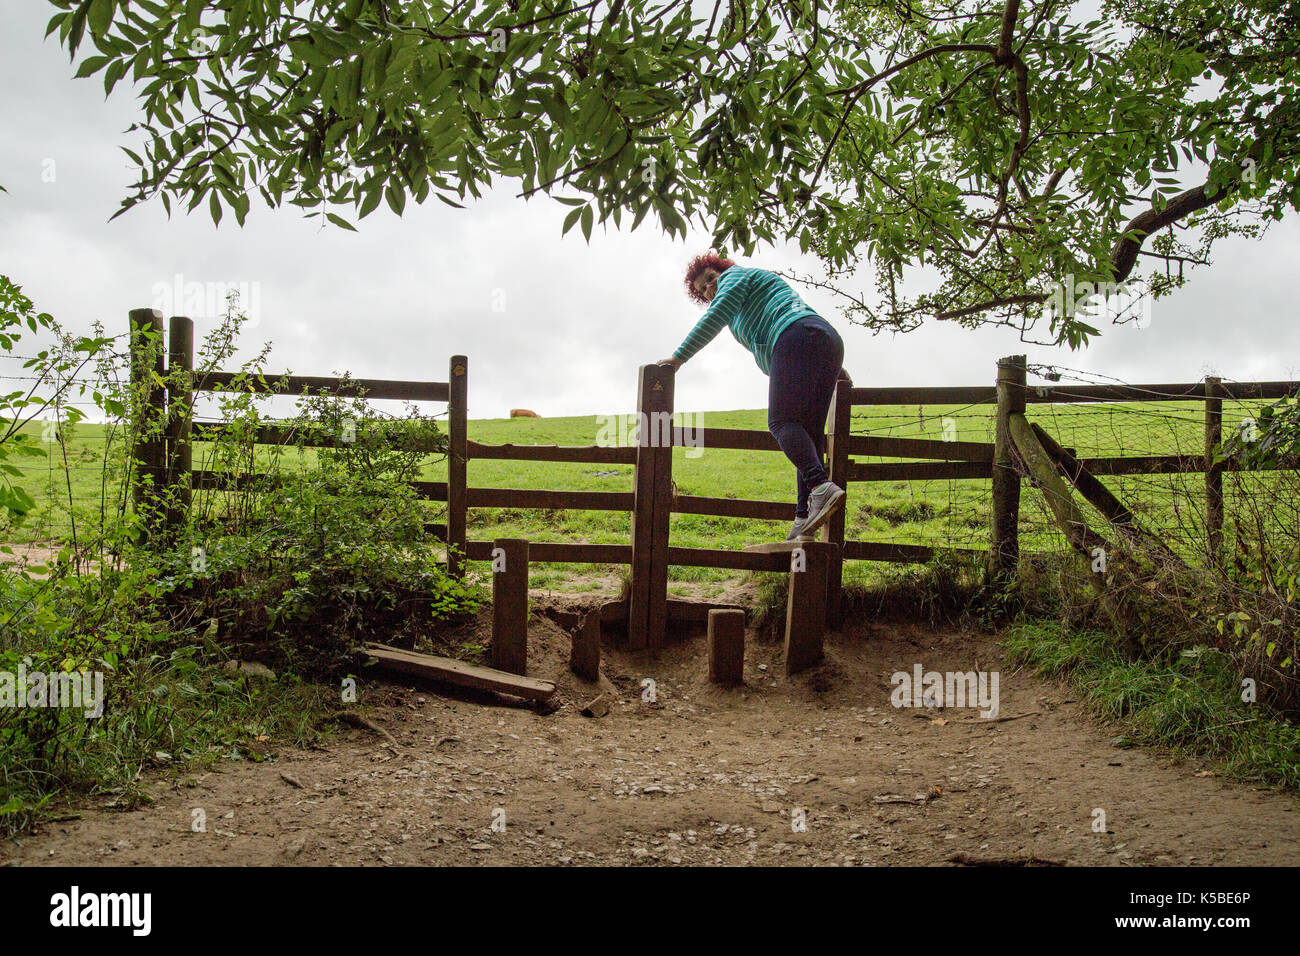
166,462
652,501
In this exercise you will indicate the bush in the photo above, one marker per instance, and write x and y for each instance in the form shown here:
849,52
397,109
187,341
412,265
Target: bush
301,557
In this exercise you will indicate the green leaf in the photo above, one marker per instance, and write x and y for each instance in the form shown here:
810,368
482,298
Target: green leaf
91,64
570,219
370,202
101,16
396,199
340,221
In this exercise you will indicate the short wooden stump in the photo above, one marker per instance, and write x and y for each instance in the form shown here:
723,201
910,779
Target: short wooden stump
727,647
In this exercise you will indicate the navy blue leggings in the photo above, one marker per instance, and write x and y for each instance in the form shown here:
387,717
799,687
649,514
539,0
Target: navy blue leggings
806,361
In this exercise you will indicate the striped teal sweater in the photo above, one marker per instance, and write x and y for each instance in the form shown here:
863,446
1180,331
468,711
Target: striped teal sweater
756,304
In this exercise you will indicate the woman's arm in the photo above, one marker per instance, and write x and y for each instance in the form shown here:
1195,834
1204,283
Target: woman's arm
724,307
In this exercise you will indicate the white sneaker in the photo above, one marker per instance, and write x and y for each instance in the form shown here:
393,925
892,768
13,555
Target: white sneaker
797,532
823,502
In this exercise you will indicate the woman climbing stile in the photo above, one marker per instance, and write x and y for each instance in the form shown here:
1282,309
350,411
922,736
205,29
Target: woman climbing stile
800,353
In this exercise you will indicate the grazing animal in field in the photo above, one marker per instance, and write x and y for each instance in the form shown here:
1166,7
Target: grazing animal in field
523,413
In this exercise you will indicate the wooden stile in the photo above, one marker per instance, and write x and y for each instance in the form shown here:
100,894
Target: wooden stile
166,460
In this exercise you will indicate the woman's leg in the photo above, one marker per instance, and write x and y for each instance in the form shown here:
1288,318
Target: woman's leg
805,364
826,358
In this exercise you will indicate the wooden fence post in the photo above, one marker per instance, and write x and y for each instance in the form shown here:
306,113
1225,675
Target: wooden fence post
1213,472
805,609
148,406
510,605
726,646
584,656
662,448
180,417
457,495
652,505
837,454
1004,549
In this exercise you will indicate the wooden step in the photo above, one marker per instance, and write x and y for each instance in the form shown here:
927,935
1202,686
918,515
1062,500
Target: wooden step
784,547
452,671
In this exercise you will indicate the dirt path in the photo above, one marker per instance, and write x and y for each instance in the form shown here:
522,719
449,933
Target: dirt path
704,776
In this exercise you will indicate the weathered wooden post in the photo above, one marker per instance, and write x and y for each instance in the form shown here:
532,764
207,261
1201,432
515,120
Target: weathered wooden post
652,506
837,454
510,605
584,658
1004,549
662,448
805,609
180,417
457,495
148,408
726,646
1213,471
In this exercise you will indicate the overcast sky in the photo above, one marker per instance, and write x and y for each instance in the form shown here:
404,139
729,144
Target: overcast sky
403,294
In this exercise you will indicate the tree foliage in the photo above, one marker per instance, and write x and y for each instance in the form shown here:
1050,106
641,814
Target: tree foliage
992,150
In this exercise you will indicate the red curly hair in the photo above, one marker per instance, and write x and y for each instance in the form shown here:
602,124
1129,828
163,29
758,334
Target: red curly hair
698,265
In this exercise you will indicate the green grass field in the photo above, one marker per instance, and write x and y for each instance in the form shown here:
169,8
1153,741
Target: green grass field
951,513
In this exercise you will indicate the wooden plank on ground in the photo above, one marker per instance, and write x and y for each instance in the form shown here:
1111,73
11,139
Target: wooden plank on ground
451,671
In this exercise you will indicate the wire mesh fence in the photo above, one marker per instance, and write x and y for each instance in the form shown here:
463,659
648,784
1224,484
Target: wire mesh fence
939,512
